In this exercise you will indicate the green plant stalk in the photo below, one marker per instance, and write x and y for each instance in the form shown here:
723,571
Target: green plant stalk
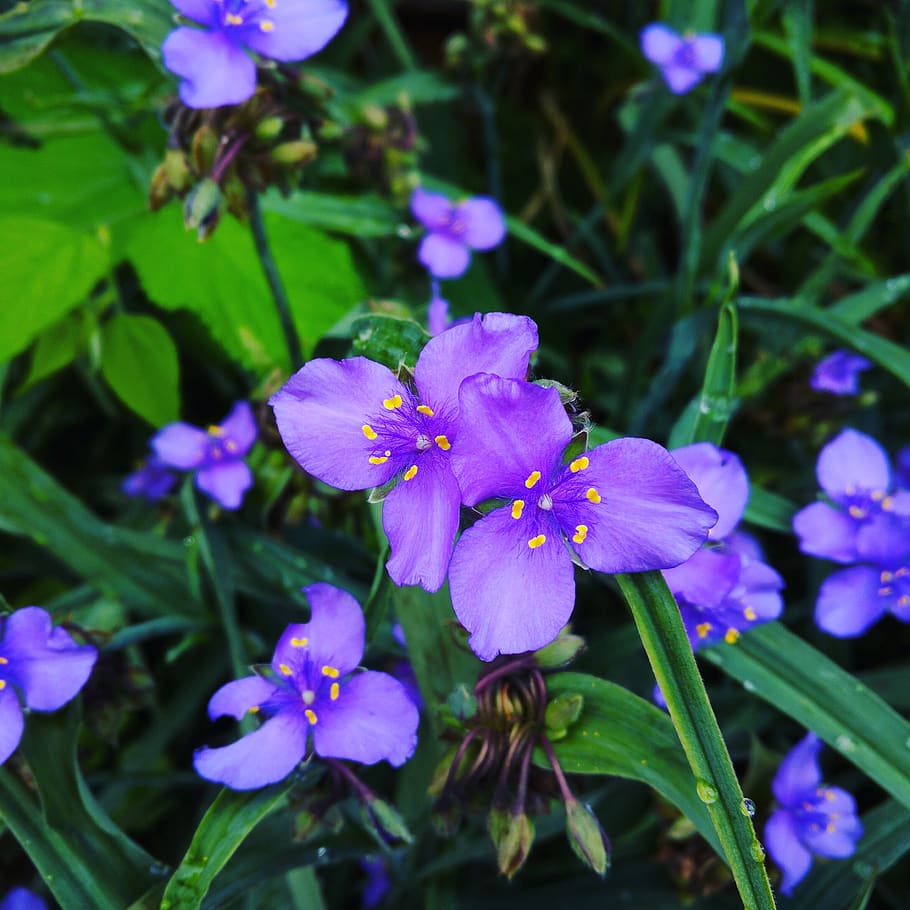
661,629
381,9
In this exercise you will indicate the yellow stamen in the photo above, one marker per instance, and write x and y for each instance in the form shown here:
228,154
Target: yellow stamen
378,459
858,513
533,477
391,403
885,591
330,671
310,715
517,508
537,541
593,495
2,684
231,19
703,629
579,464
581,532
885,577
424,409
904,600
3,660
731,636
266,26
369,432
877,495
334,691
750,614
285,669
411,472
901,572
214,430
254,709
443,443
299,642
271,4
888,503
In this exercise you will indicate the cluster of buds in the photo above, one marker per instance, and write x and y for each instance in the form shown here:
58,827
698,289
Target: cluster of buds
215,156
502,721
498,28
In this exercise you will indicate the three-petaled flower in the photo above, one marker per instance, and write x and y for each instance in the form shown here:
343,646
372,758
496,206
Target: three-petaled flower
213,62
683,60
42,665
625,506
454,229
354,425
811,818
313,691
215,454
839,373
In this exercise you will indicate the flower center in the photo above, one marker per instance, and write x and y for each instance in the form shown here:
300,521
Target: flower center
246,13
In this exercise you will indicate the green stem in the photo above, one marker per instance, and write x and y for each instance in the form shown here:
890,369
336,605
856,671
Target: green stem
660,626
389,25
273,277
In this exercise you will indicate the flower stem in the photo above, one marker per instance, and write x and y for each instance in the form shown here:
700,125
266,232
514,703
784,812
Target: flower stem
273,277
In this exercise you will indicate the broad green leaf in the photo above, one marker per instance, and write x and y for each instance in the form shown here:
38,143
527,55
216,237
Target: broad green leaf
55,348
358,216
388,340
48,269
800,681
555,251
139,362
621,734
859,306
769,510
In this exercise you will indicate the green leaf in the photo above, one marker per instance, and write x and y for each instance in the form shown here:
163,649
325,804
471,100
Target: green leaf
139,362
55,349
358,216
48,270
555,251
226,824
800,681
388,340
769,510
620,734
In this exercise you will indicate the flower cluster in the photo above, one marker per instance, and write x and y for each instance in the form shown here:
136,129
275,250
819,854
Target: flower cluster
40,664
812,819
472,429
865,521
683,60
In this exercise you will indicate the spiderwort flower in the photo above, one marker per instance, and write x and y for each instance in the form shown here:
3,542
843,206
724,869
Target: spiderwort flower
683,60
313,691
839,373
213,62
215,454
152,480
811,818
454,229
41,664
354,425
625,506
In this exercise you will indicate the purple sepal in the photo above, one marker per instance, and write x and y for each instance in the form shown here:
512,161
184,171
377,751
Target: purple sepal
721,480
839,373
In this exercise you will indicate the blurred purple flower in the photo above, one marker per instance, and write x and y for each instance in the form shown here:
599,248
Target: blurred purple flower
625,506
438,312
354,425
839,373
212,61
152,480
812,819
454,229
683,60
40,664
902,467
312,689
22,899
377,882
216,454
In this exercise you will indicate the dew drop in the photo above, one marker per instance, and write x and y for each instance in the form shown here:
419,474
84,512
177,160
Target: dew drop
748,685
707,793
757,851
189,541
321,852
404,231
770,204
844,743
748,807
907,743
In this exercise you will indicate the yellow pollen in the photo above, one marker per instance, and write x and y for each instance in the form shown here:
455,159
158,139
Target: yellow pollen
2,684
271,4
579,464
537,541
391,403
581,532
299,642
858,513
517,508
877,495
443,443
703,629
368,431
593,495
830,828
3,660
411,472
253,709
829,795
731,636
215,430
885,577
904,600
533,477
231,19
334,691
901,572
285,669
230,446
750,614
330,671
888,503
885,591
378,459
310,715
424,409
266,25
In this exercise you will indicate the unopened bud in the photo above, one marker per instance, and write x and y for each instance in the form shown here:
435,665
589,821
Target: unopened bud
178,170
202,208
203,148
588,840
562,712
375,116
270,128
462,702
384,822
566,395
160,190
297,152
512,836
560,652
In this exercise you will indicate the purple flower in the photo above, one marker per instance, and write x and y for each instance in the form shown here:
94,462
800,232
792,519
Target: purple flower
216,454
354,425
454,229
152,480
22,899
903,467
683,60
625,506
839,373
377,883
312,690
213,62
438,312
812,819
41,665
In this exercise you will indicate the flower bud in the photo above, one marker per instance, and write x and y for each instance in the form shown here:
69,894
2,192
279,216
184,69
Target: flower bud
384,822
512,836
588,840
177,169
297,152
462,702
160,190
202,208
560,652
270,128
562,712
203,148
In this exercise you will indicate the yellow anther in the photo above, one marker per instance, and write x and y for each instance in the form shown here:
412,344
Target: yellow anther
579,464
443,443
390,404
299,642
368,431
858,513
285,669
266,25
885,591
885,577
830,828
533,477
829,794
2,684
592,495
254,709
230,446
271,4
904,600
378,459
425,409
310,715
750,614
517,508
214,430
703,628
731,636
330,672
537,541
877,495
3,660
888,503
411,472
233,19
901,572
334,691
581,532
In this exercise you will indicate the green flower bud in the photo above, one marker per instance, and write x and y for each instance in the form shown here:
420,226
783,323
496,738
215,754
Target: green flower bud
562,712
512,836
560,652
384,822
587,838
297,152
270,128
202,208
